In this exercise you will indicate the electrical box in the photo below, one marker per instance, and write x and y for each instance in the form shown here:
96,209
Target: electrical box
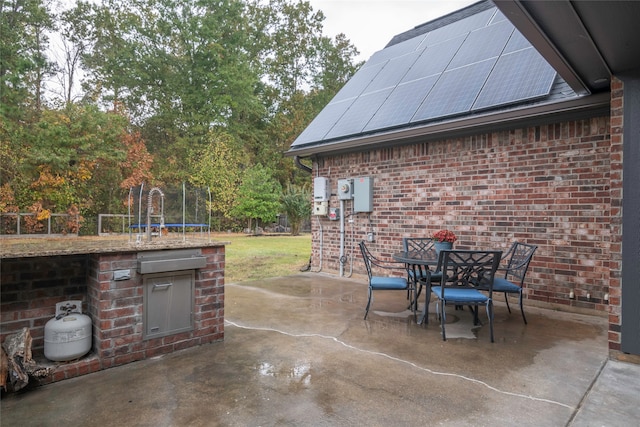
321,191
320,208
334,214
345,189
363,194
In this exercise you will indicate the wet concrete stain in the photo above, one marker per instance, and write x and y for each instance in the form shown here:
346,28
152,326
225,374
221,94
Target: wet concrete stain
298,352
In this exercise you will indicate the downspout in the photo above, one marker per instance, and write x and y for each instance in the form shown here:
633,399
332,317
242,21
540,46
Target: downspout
299,164
306,168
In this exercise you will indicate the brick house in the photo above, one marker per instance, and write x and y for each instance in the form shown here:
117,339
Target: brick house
503,121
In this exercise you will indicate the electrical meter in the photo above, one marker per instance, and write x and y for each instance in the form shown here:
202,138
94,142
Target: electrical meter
345,189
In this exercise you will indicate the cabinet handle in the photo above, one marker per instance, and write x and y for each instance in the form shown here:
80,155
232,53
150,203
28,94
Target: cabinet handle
163,286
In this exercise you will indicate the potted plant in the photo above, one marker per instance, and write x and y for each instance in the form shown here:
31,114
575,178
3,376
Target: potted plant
443,239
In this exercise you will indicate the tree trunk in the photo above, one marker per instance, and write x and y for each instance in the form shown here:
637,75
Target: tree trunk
4,369
20,364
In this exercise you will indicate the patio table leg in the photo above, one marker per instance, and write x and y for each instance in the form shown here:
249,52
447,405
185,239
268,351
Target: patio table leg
427,300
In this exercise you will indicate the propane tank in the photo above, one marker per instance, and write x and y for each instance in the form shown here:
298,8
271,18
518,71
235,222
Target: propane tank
68,335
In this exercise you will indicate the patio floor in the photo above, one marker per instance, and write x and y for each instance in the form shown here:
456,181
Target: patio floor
297,352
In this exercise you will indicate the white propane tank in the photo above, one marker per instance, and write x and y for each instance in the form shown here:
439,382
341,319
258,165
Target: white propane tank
68,335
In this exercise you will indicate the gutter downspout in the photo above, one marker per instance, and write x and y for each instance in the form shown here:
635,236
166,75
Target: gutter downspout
310,170
301,166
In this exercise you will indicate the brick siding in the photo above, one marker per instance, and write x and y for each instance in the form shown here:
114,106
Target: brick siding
545,185
615,266
32,286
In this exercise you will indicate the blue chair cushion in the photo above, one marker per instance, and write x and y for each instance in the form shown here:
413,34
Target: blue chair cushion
380,282
503,285
461,295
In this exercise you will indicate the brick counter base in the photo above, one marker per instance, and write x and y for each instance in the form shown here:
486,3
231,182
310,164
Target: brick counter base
31,286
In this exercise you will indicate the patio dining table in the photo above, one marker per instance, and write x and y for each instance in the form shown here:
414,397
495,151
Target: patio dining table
419,262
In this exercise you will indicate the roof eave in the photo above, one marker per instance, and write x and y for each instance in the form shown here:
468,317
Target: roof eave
490,121
528,16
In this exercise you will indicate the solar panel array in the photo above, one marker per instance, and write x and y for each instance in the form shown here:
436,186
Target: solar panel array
476,63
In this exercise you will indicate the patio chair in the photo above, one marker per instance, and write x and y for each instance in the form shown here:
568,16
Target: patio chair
464,272
417,273
518,258
383,282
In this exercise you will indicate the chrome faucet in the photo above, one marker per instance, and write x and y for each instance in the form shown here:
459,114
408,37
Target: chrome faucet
153,191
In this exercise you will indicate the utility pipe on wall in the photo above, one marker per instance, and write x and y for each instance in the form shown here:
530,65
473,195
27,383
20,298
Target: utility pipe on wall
341,258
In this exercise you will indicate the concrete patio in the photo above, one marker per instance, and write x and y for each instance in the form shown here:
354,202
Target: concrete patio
297,352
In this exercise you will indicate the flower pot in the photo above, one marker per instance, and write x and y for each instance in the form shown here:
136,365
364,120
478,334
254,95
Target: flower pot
442,245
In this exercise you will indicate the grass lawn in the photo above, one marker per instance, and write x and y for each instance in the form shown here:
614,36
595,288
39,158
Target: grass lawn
254,257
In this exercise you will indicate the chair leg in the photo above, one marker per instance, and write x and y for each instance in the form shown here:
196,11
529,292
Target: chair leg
366,312
443,320
474,310
522,309
413,302
490,316
507,301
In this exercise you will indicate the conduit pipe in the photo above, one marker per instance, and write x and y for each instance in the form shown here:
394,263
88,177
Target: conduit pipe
341,259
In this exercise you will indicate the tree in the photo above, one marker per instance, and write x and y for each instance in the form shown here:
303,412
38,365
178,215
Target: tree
219,166
173,91
302,70
258,196
296,203
179,67
23,63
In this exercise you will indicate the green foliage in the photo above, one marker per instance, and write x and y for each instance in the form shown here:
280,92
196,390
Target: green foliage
219,166
258,196
296,203
195,90
23,64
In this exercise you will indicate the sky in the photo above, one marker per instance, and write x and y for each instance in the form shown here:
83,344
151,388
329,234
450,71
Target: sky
371,24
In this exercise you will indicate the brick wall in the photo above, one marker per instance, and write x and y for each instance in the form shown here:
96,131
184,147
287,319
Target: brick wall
32,286
615,283
117,309
546,185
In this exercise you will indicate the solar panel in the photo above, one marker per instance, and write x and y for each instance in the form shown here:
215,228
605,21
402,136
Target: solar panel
475,63
359,114
497,17
484,43
396,50
433,60
460,27
518,76
360,80
455,91
402,104
323,122
392,72
516,42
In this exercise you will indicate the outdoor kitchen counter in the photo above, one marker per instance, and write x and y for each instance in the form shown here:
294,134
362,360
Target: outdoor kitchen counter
26,247
112,275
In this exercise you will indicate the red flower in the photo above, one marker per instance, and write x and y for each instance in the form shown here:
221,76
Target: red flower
444,236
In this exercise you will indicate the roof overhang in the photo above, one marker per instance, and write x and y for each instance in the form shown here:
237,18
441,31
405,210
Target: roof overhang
490,122
585,41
